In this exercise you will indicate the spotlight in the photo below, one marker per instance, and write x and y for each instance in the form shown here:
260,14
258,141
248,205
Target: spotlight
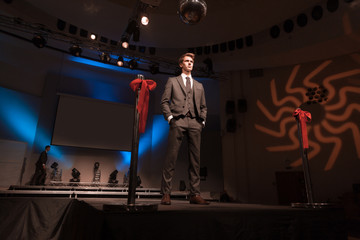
154,68
136,34
75,50
39,41
61,24
317,13
112,177
133,64
144,19
131,27
120,61
93,36
76,175
125,41
55,174
104,57
54,165
275,31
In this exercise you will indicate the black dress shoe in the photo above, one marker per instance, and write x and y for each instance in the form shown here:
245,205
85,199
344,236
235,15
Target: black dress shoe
166,199
196,199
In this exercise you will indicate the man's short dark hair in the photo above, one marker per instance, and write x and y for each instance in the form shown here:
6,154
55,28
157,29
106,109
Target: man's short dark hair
181,59
47,146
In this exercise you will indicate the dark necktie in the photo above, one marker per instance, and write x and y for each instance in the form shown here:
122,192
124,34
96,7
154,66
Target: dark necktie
188,84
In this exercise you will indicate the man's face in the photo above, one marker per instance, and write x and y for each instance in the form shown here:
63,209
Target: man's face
47,149
187,64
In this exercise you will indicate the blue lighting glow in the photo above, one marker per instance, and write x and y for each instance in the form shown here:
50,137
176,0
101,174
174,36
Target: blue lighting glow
160,130
123,162
104,91
55,154
100,65
19,115
152,138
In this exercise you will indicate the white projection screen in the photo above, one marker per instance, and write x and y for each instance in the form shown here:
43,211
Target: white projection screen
92,123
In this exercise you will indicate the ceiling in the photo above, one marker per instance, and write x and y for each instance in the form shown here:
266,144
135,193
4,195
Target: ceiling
225,20
336,34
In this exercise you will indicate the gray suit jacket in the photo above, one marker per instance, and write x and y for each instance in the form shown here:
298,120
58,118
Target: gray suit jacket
173,98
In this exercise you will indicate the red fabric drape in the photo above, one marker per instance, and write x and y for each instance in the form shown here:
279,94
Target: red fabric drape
304,117
143,102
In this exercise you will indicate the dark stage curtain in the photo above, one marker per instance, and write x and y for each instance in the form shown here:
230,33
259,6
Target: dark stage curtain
43,218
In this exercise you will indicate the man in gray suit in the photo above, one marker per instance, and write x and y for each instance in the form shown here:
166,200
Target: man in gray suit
184,107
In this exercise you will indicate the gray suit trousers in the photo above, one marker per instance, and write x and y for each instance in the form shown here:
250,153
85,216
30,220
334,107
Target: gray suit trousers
183,127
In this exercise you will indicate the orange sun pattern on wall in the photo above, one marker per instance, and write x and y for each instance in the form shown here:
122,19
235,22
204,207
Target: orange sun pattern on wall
331,121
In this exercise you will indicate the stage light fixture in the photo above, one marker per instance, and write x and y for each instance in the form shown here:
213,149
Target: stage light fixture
75,50
61,24
136,34
301,20
133,64
93,36
112,177
39,41
105,57
231,45
275,31
54,165
144,19
72,29
317,13
76,175
125,41
131,27
288,26
83,33
120,61
142,49
154,68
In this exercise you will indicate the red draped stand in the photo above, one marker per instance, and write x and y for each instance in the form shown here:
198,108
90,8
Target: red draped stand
303,117
141,88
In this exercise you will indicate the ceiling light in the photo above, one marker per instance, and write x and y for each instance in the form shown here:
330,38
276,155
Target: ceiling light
154,68
75,50
39,41
125,41
120,61
93,36
104,57
144,19
132,64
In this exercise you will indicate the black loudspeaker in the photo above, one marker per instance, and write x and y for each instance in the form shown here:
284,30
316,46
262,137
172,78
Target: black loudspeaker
231,125
230,107
242,105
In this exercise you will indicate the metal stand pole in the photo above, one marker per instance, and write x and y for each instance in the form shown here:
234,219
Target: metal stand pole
308,185
306,169
131,206
134,152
